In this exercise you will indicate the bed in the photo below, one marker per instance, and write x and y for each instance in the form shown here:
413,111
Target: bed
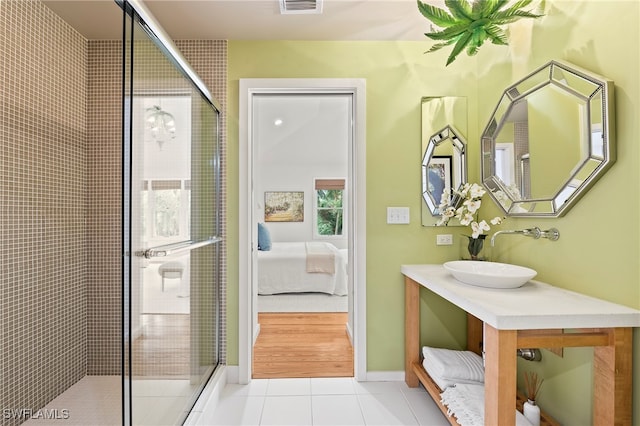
302,267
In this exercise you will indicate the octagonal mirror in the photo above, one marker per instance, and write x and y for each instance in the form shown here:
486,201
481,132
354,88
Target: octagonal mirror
549,139
444,164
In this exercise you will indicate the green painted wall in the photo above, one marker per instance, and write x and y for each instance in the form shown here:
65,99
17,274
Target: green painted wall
397,75
599,249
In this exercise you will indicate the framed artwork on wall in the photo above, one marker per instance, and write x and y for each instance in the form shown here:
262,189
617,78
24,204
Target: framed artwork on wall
439,176
284,206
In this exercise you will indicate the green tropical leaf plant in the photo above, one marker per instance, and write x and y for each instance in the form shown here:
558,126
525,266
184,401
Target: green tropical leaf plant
468,25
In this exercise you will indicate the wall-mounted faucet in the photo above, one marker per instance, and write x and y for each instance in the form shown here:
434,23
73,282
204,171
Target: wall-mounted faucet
552,234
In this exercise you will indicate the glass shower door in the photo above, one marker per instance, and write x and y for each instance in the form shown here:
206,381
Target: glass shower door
172,288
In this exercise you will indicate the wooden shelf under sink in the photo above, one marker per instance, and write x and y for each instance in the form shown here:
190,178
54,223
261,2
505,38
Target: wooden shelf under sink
584,322
434,391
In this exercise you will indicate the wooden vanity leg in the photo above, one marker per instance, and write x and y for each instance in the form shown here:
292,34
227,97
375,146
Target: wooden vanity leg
612,387
500,376
411,330
474,334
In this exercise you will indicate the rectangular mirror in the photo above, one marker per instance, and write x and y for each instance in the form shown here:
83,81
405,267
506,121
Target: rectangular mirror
444,159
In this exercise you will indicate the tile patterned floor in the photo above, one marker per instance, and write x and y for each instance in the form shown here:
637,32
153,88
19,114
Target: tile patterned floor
95,400
322,401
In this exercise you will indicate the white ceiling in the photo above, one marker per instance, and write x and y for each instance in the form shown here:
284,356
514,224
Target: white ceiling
254,19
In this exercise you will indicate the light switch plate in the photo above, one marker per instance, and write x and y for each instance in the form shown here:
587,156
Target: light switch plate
398,215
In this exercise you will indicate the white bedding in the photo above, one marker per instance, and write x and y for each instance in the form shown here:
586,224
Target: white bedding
283,269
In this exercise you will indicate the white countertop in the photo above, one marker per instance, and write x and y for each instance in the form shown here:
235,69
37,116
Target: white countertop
535,305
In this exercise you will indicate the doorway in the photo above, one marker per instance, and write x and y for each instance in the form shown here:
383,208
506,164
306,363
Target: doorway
263,193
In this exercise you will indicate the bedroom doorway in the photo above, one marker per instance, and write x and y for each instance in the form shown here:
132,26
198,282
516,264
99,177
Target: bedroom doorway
302,219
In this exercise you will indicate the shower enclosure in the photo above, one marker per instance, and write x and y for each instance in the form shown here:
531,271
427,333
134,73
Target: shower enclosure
111,248
171,225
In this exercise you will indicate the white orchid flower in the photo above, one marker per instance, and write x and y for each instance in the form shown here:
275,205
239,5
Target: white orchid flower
445,216
445,200
443,221
448,212
479,228
501,197
464,204
476,191
466,219
472,205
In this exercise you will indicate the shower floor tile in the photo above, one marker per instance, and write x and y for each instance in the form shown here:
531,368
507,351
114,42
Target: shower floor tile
93,400
97,401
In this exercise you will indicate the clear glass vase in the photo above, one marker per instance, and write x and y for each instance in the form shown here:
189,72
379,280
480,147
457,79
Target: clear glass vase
474,248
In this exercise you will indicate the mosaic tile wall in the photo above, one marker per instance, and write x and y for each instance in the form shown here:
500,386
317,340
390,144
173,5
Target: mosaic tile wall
43,183
104,194
521,143
60,171
208,58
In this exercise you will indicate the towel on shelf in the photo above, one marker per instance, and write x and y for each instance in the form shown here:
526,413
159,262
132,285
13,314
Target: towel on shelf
440,381
451,366
466,402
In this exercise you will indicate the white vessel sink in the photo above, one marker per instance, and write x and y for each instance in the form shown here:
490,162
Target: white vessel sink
489,274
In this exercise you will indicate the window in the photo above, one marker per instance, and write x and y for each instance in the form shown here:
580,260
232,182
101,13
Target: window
504,162
166,210
329,207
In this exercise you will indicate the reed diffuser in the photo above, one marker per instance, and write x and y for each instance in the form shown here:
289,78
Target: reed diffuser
530,410
533,383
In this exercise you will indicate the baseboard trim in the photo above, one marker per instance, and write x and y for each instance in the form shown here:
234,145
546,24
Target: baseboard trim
256,333
210,396
385,376
232,375
349,333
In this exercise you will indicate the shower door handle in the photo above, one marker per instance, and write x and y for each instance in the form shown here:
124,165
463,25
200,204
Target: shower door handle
182,246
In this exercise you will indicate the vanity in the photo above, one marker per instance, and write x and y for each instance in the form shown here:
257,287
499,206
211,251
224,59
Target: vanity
536,315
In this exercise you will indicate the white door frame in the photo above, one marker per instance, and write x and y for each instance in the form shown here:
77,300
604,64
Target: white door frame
247,310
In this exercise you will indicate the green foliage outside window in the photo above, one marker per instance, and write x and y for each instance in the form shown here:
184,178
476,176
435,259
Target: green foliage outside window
167,212
330,211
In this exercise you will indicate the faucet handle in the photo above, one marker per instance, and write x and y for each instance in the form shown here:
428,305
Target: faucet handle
552,233
534,232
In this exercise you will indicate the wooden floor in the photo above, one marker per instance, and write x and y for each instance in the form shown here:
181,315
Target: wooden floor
302,345
163,349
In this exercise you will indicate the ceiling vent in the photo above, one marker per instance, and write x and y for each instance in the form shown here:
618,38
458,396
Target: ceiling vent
288,7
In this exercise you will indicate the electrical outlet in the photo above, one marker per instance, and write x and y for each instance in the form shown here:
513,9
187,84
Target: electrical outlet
444,239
